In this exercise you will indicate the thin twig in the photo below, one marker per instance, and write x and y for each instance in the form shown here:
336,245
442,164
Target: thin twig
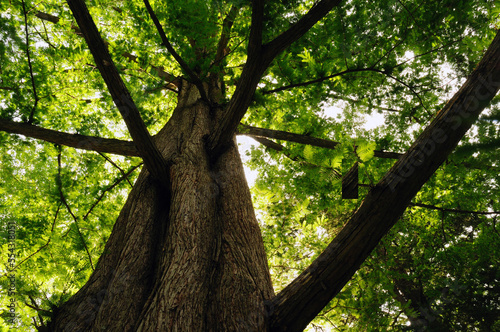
280,148
319,80
115,165
43,246
99,199
45,38
388,52
405,84
32,113
432,207
63,200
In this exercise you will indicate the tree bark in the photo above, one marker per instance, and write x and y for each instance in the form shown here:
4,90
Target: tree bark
189,256
92,143
195,262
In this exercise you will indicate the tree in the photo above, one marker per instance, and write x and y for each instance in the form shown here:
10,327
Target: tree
186,251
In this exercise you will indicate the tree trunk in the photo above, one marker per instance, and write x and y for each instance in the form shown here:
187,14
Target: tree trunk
188,259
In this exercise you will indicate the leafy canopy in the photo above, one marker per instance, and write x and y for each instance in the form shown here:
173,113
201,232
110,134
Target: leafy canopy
401,59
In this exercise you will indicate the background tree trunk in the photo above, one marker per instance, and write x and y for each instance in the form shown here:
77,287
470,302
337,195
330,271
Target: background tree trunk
194,262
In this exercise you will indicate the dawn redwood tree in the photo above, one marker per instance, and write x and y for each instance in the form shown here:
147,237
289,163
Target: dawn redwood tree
186,251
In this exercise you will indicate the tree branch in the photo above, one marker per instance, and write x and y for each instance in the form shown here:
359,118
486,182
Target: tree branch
173,82
296,305
153,160
32,113
347,71
91,143
47,17
268,143
360,101
65,203
227,24
192,75
255,39
286,136
255,132
432,207
406,85
169,78
318,80
109,188
116,166
258,60
316,13
280,148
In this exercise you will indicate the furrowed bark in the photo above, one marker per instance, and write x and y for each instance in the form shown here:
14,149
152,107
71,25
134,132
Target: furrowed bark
152,157
304,298
91,143
191,262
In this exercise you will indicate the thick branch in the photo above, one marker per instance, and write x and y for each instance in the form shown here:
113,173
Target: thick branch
227,24
169,78
317,12
255,39
286,136
55,20
268,143
295,306
47,17
302,139
152,157
259,59
98,144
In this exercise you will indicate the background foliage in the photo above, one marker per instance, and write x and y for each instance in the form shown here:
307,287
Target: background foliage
401,59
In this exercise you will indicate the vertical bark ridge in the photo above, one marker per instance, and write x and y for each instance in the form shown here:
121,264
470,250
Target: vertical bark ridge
214,274
123,275
186,259
245,282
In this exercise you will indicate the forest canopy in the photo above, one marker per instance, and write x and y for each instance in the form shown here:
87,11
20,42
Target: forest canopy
68,162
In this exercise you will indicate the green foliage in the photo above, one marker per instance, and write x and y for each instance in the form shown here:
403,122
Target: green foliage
399,58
